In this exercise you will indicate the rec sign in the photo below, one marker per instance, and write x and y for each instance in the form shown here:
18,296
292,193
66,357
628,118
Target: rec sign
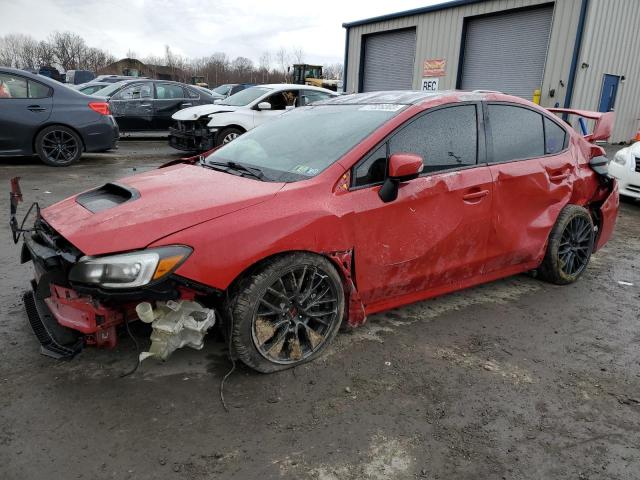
430,84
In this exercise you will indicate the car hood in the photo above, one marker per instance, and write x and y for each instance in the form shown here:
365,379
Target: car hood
193,113
163,201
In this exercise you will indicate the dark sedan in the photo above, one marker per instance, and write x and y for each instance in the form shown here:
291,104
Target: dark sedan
147,105
41,116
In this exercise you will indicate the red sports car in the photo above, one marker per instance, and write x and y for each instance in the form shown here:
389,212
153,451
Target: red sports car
335,211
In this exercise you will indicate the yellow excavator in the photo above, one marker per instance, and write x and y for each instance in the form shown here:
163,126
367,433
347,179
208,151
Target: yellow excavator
304,74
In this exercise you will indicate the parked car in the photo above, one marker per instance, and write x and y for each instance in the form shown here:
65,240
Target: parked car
147,105
334,211
198,129
91,87
223,91
39,115
626,168
117,78
76,77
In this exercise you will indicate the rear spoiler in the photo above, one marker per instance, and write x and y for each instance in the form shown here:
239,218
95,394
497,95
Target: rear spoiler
601,130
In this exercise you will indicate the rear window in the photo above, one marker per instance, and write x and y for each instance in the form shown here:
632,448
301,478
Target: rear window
516,133
554,136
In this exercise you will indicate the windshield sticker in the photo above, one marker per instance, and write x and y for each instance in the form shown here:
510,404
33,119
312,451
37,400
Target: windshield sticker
304,170
385,107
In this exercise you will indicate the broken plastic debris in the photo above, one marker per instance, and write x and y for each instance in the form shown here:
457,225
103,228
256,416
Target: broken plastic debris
628,284
180,324
388,364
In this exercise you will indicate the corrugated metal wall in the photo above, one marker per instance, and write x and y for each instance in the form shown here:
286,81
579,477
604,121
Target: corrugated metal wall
611,45
439,35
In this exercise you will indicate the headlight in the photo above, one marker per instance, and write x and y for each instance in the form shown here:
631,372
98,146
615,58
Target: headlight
129,270
620,158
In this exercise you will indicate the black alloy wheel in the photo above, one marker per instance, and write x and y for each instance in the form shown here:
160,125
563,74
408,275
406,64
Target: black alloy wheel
286,312
569,247
58,146
575,245
295,315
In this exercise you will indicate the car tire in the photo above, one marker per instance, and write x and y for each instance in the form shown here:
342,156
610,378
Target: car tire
570,246
285,312
227,135
58,146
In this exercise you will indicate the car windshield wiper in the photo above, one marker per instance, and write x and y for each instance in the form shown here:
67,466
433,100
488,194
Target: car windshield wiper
251,171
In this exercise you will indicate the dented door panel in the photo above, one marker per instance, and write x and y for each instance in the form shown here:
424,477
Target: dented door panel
528,197
435,233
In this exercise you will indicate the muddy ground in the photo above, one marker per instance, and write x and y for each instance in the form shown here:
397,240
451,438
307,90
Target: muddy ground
514,379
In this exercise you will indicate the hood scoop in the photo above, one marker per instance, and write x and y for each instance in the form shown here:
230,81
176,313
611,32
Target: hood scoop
107,196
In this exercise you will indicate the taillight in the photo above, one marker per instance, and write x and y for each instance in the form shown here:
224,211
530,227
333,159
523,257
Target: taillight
101,107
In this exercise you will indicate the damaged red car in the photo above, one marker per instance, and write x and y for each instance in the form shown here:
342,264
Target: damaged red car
335,211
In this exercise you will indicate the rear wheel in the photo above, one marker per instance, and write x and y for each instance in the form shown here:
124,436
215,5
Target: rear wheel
570,246
228,135
287,312
58,146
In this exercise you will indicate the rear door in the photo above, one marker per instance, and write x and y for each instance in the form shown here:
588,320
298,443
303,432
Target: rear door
435,233
25,105
170,97
532,182
132,107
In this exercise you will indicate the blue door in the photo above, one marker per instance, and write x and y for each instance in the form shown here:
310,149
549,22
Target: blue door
609,90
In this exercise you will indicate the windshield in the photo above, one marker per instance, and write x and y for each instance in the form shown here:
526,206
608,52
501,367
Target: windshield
303,142
222,89
111,89
245,97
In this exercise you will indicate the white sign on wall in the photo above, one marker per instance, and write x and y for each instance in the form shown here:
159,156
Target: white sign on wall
430,84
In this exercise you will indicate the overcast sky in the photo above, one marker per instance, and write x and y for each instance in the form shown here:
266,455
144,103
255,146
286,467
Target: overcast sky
195,28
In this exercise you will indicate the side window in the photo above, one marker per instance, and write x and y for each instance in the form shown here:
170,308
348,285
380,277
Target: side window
445,138
554,137
38,90
12,86
168,91
135,92
373,169
309,96
282,100
516,133
192,93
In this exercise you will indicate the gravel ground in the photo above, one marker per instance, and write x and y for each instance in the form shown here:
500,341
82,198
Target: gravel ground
514,379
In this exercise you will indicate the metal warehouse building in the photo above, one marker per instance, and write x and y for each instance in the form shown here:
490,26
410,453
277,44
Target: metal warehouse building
578,53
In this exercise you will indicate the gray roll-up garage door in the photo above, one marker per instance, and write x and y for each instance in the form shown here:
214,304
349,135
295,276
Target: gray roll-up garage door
507,51
389,59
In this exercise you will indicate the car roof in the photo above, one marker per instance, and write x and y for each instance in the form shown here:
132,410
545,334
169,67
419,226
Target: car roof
415,97
41,78
293,86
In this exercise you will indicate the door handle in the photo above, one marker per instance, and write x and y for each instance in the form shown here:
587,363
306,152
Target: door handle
187,104
145,104
558,177
473,196
36,108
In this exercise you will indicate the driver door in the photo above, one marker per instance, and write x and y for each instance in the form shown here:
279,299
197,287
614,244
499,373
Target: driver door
280,103
435,234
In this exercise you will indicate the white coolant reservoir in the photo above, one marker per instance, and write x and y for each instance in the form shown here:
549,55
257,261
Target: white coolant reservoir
175,325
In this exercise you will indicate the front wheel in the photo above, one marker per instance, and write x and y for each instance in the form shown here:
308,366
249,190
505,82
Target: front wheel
570,246
287,312
228,135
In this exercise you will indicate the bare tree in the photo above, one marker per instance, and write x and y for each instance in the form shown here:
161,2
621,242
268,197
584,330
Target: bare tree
332,71
132,54
69,49
298,55
282,59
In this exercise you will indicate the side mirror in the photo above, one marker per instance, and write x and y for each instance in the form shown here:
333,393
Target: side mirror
402,168
264,106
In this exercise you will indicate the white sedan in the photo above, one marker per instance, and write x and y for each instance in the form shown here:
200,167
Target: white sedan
204,127
626,168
